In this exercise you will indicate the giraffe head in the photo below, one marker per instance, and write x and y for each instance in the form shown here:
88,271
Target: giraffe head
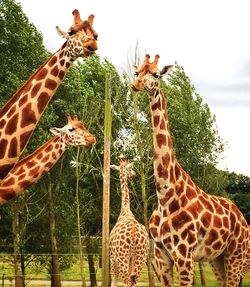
126,167
74,133
82,38
148,75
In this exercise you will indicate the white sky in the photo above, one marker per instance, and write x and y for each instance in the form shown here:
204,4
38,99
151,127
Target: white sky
209,38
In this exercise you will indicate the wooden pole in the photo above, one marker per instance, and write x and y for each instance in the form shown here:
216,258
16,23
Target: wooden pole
106,184
202,274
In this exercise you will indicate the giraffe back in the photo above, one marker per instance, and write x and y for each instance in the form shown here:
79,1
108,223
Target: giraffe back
129,241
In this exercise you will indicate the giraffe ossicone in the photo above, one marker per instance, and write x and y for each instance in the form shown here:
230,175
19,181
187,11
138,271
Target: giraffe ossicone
30,169
129,240
188,225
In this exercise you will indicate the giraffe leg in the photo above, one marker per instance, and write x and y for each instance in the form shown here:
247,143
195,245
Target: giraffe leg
114,274
235,258
164,266
233,271
185,270
114,280
128,280
124,270
218,268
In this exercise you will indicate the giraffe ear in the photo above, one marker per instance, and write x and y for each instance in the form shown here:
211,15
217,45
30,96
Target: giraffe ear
114,167
166,70
130,165
61,33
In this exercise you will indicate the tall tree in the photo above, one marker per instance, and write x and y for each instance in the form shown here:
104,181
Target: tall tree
238,188
195,135
21,48
21,51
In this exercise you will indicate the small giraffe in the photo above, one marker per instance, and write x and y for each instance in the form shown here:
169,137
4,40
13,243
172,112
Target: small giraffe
20,115
188,225
129,240
29,170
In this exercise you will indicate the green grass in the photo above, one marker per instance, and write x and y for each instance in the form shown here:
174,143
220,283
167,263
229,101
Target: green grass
73,274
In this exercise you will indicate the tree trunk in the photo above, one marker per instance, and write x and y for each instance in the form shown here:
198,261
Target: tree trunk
91,247
92,273
106,185
55,273
155,271
202,273
19,276
80,245
194,277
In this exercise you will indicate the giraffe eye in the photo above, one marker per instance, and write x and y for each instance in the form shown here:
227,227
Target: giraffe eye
71,129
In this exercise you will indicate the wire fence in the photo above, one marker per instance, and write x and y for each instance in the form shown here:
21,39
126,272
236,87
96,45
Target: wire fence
38,267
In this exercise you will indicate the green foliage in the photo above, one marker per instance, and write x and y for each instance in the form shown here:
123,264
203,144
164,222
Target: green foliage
21,51
195,137
238,183
214,181
82,93
238,188
21,48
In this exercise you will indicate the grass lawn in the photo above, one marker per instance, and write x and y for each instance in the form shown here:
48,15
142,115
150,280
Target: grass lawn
73,274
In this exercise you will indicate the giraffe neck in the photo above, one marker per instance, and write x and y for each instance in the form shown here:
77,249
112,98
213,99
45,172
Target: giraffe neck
125,203
20,115
29,170
167,170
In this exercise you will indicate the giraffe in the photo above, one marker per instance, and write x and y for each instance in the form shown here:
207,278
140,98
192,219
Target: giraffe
247,262
30,169
129,240
188,225
20,115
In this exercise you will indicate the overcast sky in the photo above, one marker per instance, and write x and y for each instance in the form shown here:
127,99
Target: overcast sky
209,38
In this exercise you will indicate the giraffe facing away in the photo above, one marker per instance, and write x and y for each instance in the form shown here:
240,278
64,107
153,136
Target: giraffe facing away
188,225
20,115
129,240
29,170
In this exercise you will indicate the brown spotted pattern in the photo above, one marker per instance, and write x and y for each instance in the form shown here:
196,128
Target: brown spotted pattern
188,224
29,170
20,115
129,241
27,106
247,262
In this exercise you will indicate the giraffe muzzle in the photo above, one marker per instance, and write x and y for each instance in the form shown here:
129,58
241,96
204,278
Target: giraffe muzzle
134,88
90,140
91,46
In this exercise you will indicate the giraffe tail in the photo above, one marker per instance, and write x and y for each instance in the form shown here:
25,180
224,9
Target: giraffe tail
133,279
133,276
